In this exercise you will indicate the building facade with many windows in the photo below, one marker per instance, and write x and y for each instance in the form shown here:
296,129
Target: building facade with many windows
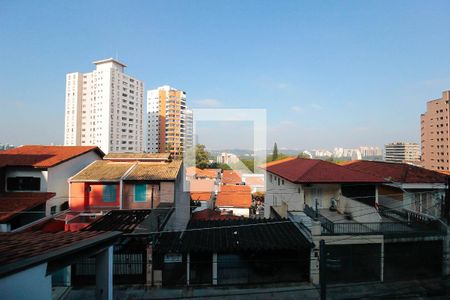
169,127
105,108
435,134
402,152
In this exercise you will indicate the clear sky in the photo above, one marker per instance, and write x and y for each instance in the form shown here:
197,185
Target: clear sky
329,73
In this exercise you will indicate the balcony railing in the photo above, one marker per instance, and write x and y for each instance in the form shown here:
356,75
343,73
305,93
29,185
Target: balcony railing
416,226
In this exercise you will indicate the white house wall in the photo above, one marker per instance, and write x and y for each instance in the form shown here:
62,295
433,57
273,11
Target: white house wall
323,192
288,195
58,178
29,284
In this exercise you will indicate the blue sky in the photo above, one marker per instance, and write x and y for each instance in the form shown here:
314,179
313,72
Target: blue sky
329,73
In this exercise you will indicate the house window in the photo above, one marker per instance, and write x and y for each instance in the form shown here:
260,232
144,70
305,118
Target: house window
64,206
53,210
109,193
23,184
140,191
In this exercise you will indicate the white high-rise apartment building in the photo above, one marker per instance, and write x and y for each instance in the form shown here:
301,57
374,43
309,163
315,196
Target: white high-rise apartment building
169,123
105,108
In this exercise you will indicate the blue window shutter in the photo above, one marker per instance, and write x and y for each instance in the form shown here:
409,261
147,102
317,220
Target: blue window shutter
109,193
140,191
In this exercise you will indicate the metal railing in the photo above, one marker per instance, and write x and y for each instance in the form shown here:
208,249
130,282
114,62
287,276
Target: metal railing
416,226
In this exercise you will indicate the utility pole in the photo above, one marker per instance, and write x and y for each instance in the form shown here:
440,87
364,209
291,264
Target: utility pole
322,270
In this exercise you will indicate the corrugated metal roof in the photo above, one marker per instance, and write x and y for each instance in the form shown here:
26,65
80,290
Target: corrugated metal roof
226,236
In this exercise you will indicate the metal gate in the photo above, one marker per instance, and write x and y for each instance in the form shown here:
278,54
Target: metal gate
128,268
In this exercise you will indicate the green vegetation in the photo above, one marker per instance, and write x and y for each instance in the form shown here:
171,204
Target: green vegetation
275,152
201,156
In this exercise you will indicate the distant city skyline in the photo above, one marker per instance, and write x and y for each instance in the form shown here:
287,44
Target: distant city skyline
344,73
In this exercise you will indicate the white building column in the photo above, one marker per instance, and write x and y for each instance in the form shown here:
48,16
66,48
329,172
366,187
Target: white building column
376,196
104,274
214,269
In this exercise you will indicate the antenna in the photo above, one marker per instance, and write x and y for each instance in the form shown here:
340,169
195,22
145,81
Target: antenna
117,54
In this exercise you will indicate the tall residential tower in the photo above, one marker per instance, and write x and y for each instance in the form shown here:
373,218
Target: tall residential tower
435,134
169,127
105,108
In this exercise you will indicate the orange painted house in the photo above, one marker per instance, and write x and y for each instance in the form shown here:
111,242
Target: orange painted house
110,184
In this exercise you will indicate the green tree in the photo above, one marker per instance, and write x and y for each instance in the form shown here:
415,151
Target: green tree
275,152
269,158
201,156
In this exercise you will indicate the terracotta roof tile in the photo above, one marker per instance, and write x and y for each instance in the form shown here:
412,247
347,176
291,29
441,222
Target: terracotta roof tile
42,156
231,177
234,196
155,171
201,189
276,162
12,204
300,170
398,172
138,156
103,170
208,173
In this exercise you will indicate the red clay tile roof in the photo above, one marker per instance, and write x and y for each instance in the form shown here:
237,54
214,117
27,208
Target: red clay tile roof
231,177
26,249
201,189
234,196
276,162
398,172
208,173
301,170
12,204
42,156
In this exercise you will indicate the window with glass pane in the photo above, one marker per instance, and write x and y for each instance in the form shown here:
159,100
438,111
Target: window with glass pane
109,193
139,192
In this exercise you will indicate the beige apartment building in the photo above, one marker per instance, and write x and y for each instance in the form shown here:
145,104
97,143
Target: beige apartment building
169,127
434,134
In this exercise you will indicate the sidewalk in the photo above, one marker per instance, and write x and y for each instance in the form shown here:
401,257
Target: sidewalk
425,289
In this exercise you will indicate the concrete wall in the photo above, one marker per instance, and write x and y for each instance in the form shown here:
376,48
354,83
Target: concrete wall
128,197
323,193
28,284
282,196
244,212
167,192
182,213
82,199
58,178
